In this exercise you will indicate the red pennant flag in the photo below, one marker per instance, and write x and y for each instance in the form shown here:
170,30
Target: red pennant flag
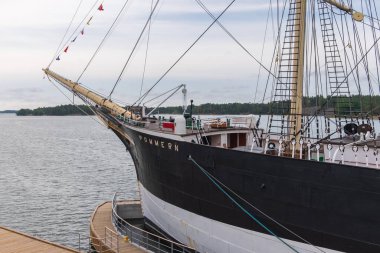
82,32
101,7
67,48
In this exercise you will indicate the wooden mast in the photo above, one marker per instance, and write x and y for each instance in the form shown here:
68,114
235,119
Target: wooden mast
298,74
114,108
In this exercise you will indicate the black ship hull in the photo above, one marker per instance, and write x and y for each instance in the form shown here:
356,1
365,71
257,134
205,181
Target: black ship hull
329,205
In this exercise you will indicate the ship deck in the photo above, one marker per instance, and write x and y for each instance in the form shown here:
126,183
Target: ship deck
13,241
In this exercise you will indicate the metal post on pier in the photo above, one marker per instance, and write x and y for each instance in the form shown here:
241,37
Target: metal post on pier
79,242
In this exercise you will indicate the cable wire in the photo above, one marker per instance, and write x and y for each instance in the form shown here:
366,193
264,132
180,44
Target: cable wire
72,102
64,36
240,206
77,28
104,39
146,52
134,48
234,38
261,212
183,54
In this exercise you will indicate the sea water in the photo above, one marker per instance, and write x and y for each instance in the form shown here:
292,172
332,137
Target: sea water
54,171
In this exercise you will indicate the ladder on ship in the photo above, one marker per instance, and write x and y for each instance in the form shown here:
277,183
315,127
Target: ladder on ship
284,94
336,75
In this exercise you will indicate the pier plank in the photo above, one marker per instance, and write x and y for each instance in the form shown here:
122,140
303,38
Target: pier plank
16,242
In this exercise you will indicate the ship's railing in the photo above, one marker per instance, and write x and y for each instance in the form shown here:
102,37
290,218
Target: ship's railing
87,244
108,244
130,121
111,239
145,239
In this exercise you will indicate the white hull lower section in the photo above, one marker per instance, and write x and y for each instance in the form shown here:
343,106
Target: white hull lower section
207,235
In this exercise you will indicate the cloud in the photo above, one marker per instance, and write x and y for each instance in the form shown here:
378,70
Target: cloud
31,34
216,69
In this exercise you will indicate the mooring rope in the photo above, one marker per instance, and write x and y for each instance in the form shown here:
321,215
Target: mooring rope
72,101
214,181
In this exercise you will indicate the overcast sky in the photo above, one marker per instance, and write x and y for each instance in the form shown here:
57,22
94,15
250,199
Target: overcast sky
215,70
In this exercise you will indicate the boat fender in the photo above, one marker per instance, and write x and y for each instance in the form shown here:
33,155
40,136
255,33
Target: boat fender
336,151
366,149
341,149
329,148
293,146
355,150
317,147
309,150
375,153
280,146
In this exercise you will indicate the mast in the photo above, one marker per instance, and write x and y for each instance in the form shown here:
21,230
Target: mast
288,93
298,71
114,108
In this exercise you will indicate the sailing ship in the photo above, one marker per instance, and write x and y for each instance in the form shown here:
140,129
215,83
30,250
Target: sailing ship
303,183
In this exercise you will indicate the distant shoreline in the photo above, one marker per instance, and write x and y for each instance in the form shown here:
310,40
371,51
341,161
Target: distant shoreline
8,112
311,107
61,110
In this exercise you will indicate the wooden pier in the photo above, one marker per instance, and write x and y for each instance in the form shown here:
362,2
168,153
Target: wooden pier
103,236
15,242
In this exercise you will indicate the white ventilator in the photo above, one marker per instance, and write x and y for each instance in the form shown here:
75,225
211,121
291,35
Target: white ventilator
184,102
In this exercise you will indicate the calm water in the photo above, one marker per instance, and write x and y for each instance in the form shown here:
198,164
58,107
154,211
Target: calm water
54,171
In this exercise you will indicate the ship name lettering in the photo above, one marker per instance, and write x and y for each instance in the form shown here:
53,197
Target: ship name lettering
161,144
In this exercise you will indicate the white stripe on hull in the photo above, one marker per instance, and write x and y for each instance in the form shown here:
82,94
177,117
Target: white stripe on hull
207,235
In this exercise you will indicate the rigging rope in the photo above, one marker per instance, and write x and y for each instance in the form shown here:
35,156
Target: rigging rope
373,20
163,94
277,44
134,48
104,95
141,98
215,20
64,36
77,28
262,49
352,70
261,212
357,64
234,38
104,39
72,101
146,51
208,175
